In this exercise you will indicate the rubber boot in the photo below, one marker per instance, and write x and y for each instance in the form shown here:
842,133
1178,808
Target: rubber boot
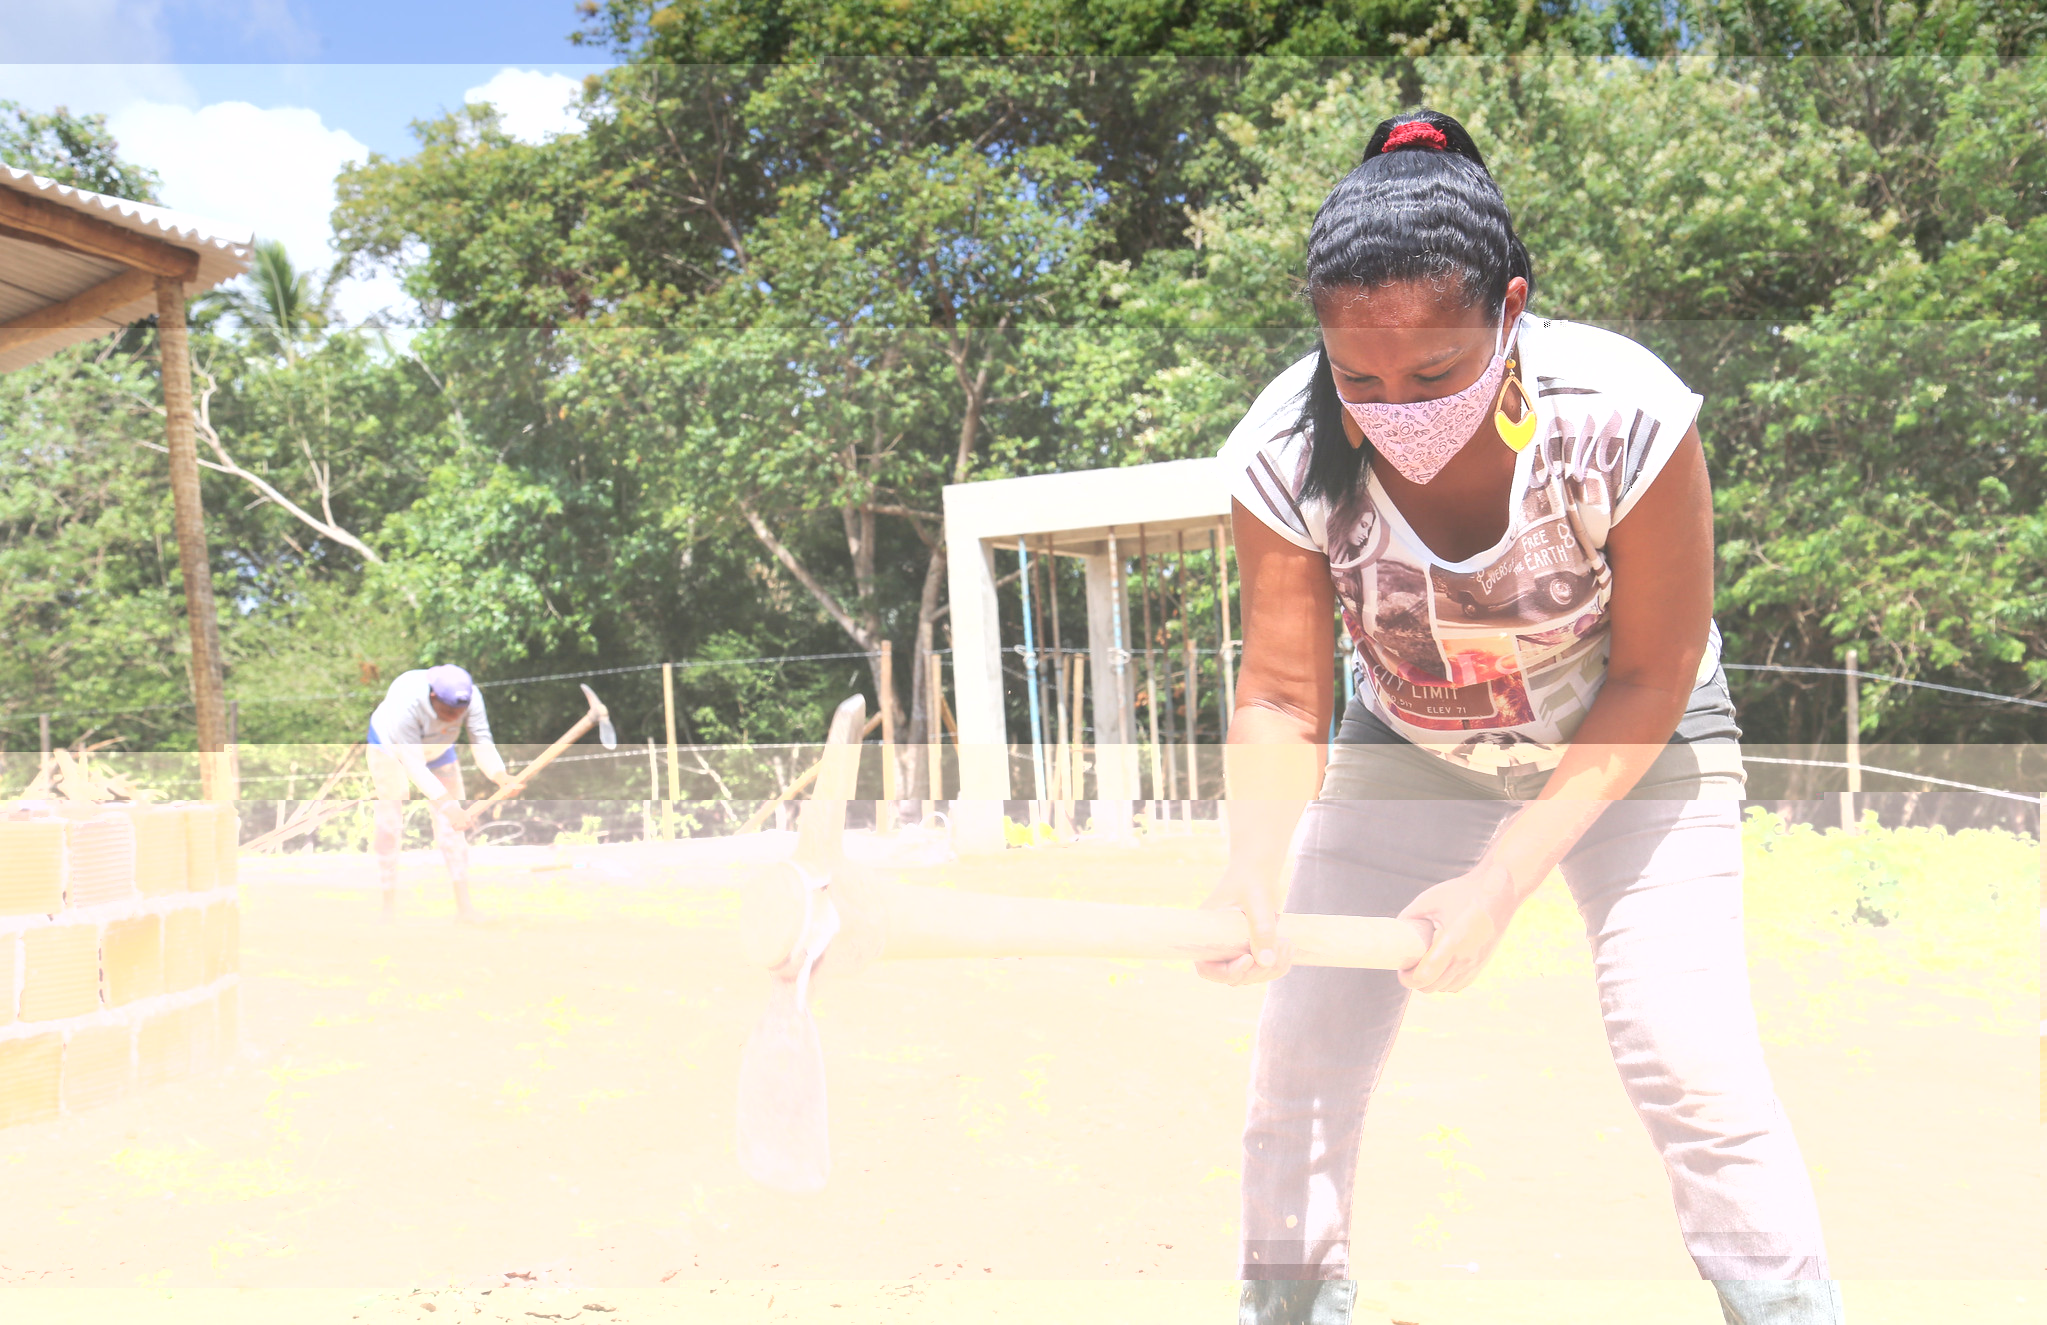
1779,1301
1296,1302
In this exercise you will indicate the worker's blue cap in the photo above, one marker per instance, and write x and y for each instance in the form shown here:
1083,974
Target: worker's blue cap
450,684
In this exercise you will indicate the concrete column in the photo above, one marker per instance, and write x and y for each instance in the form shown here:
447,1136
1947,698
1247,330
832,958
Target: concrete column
1115,750
977,689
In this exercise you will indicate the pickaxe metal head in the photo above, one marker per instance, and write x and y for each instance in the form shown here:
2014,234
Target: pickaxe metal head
784,1135
605,732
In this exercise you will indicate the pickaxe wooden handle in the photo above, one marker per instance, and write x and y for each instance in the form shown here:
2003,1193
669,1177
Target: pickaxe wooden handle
783,1132
816,913
877,920
881,920
598,717
808,776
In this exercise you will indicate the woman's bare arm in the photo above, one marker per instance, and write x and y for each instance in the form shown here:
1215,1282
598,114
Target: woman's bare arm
1274,758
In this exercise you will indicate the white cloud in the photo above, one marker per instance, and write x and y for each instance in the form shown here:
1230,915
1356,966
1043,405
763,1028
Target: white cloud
271,171
359,299
89,89
532,106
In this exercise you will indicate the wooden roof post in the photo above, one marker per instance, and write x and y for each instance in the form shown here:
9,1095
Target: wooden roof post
189,518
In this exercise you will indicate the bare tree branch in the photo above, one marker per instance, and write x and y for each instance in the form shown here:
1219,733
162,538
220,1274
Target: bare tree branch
203,425
825,598
322,475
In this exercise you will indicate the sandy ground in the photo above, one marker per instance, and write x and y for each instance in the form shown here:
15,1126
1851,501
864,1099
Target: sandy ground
532,1120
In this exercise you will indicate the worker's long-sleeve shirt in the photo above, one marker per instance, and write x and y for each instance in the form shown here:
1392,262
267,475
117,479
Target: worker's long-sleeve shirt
406,725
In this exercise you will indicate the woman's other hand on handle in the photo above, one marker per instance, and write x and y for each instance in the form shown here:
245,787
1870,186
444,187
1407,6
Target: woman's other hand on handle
1470,913
1266,955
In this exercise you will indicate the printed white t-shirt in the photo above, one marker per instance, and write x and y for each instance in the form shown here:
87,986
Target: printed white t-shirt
1493,661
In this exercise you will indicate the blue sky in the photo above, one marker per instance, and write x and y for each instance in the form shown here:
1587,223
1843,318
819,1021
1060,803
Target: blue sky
520,32
371,66
247,108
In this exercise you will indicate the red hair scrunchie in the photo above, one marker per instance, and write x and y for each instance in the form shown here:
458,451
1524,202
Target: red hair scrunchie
1415,131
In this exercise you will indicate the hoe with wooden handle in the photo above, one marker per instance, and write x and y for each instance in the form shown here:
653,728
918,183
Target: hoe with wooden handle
816,913
597,716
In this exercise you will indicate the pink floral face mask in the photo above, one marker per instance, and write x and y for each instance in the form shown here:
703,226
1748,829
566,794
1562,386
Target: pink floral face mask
1418,439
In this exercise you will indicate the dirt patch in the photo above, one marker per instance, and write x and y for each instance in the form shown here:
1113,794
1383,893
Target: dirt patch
426,1112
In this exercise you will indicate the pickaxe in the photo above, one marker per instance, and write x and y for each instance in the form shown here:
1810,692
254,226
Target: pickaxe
815,913
598,717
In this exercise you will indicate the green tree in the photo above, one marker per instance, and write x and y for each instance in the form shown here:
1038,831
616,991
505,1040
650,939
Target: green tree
618,313
90,598
276,302
885,326
1827,28
72,149
90,603
695,309
1856,292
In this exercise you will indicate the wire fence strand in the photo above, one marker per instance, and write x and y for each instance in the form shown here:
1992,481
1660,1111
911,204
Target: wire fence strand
1894,772
1892,680
30,715
24,716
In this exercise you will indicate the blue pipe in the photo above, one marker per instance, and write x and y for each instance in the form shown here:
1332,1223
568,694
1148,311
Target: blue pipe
1030,656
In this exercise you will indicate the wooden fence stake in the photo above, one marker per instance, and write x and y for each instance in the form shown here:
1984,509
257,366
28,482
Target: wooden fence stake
885,817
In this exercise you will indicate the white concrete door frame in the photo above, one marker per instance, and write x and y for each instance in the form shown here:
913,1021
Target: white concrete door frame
1076,513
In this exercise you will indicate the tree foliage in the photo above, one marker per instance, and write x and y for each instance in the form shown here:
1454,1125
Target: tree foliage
1854,285
688,383
71,149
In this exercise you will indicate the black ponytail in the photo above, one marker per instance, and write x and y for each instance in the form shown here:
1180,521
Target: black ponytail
1420,206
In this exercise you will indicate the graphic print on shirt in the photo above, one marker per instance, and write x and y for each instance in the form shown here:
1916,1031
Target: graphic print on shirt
1508,644
1493,662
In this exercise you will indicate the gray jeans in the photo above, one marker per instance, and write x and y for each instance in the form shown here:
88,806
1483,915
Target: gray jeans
1658,882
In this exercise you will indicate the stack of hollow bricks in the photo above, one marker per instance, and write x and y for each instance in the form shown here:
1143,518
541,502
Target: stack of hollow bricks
119,953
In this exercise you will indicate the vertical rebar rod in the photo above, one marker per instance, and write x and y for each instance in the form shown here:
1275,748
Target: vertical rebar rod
1119,657
934,728
1077,790
1050,566
1151,674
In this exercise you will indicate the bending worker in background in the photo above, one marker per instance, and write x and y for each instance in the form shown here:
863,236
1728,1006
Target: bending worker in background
412,744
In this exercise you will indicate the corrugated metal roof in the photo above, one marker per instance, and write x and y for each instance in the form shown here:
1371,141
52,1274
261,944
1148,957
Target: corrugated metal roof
34,276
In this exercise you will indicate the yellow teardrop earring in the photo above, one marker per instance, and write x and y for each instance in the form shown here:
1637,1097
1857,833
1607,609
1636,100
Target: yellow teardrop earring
1517,435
